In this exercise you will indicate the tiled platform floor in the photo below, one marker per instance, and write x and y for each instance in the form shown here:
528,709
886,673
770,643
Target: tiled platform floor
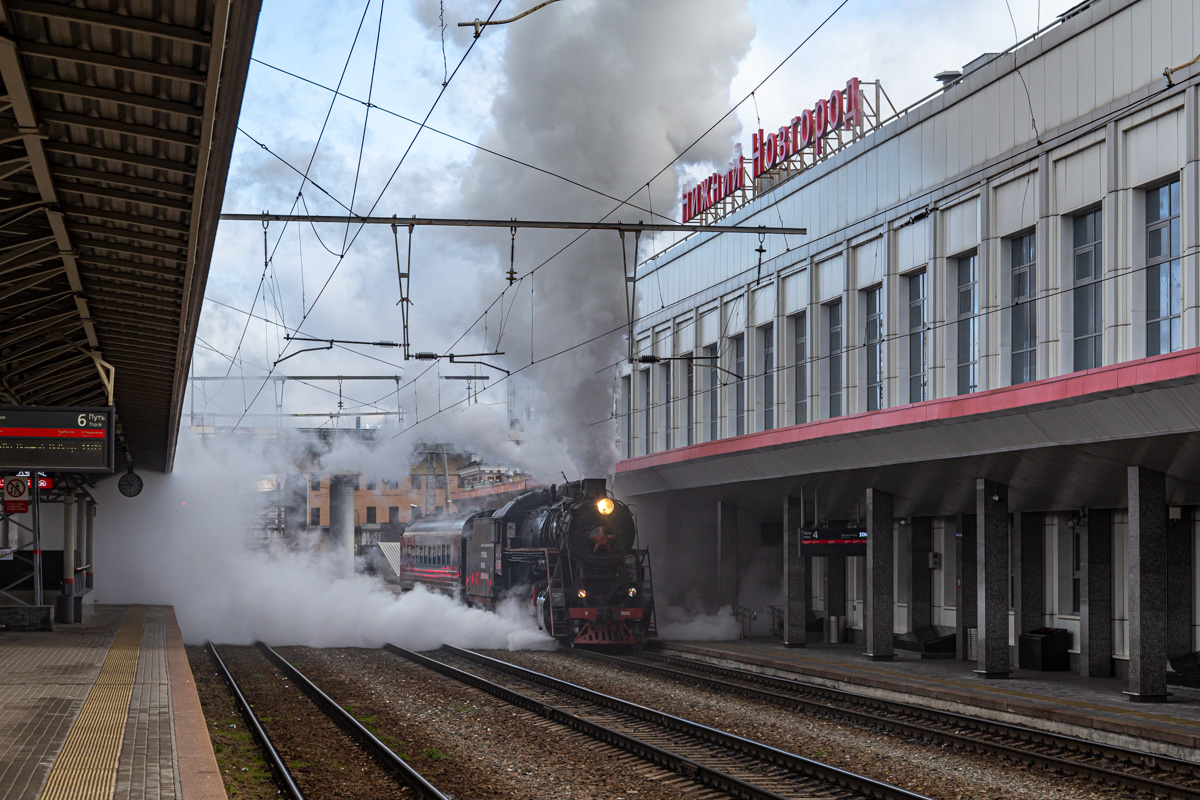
1092,708
45,679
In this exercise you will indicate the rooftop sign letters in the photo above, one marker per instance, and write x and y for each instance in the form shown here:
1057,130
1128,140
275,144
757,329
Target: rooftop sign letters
812,135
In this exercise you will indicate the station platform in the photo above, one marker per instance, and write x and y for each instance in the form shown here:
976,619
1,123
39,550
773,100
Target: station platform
1088,708
103,709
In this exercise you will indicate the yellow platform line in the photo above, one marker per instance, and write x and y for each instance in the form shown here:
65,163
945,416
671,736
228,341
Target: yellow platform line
86,768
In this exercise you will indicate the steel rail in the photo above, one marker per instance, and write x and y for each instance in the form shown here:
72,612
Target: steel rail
656,755
346,721
273,758
693,671
795,764
408,222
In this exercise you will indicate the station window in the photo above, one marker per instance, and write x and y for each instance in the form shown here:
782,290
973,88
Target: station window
371,485
414,481
371,515
916,337
738,345
968,324
314,516
800,378
874,343
834,311
668,403
627,415
1164,293
316,483
393,514
647,410
1024,309
766,337
714,400
1088,293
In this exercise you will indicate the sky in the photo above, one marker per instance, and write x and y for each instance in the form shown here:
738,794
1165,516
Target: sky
604,92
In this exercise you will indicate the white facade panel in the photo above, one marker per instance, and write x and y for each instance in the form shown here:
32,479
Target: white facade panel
710,328
912,245
869,263
763,305
733,313
1154,148
831,278
961,225
795,292
1079,179
685,335
1015,204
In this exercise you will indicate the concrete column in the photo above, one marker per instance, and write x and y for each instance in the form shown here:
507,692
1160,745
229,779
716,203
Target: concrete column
66,600
920,601
965,604
341,523
1147,562
880,597
1179,584
835,585
991,558
90,523
1095,594
81,535
795,577
727,550
1029,571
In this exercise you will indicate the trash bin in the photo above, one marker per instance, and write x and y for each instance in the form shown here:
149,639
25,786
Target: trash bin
835,629
1044,649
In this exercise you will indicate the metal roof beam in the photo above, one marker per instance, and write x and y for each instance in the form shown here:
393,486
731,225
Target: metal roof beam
117,308
41,300
72,383
126,219
11,249
11,166
113,96
19,200
125,233
34,328
133,250
12,289
138,266
99,59
119,127
128,197
18,94
56,377
119,157
109,277
102,289
39,257
120,179
121,22
45,353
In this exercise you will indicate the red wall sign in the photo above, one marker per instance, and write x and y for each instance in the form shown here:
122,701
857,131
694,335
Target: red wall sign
842,110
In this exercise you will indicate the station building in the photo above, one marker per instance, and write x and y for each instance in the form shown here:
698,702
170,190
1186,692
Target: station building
983,359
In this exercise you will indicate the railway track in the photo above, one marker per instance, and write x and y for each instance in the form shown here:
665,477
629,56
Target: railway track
406,782
1148,774
727,764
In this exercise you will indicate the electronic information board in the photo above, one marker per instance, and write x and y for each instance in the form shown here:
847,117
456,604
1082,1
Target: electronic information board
56,439
833,542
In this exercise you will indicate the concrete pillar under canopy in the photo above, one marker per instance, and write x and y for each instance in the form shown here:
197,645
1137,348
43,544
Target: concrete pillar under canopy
991,557
1179,583
880,597
920,601
795,577
1028,564
1095,594
967,612
90,522
65,611
341,523
727,551
1146,559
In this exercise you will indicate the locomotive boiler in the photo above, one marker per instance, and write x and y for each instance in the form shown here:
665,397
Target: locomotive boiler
570,549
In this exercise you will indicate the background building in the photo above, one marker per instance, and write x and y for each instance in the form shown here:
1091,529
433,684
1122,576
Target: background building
985,354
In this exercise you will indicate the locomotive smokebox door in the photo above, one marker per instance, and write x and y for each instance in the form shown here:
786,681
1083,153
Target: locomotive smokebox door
482,556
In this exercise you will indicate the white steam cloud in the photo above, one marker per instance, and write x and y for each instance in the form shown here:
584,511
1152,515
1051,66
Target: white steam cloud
606,93
184,542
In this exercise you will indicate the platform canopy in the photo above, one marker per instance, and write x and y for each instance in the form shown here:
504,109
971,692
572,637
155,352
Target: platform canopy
117,120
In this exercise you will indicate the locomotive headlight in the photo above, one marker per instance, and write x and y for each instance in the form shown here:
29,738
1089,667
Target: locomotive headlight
633,591
582,594
605,506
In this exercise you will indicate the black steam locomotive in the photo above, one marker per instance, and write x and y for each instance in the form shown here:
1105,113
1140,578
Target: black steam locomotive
571,547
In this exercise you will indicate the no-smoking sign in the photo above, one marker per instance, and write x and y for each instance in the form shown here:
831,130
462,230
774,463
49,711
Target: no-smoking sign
16,495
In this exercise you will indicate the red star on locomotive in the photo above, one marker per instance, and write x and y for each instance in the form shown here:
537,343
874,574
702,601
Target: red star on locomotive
602,539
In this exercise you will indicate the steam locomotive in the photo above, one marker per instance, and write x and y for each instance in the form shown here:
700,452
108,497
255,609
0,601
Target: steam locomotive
573,548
